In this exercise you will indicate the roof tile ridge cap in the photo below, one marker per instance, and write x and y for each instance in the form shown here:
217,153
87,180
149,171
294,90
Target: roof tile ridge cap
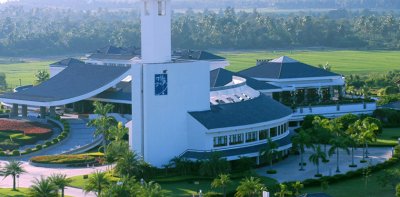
280,70
216,78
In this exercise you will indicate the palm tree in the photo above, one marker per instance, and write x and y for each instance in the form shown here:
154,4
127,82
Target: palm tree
117,133
367,133
43,188
129,164
317,156
14,169
103,123
337,144
61,181
152,189
249,187
321,133
297,187
283,191
269,151
97,182
222,181
353,140
302,140
214,165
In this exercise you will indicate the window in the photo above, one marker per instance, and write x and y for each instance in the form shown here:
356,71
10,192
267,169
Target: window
251,136
274,132
146,8
220,141
263,134
162,7
236,139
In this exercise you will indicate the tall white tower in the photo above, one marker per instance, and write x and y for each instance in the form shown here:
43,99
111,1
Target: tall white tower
156,31
164,91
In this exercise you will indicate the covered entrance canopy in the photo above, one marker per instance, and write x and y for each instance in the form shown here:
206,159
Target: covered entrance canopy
77,82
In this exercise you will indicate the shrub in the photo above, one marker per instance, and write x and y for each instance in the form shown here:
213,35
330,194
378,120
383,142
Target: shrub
271,171
55,141
318,175
101,149
48,143
2,153
38,147
85,176
64,159
353,166
65,134
1,149
60,138
29,150
16,153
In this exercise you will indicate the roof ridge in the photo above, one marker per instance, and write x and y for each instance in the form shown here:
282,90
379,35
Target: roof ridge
280,71
216,78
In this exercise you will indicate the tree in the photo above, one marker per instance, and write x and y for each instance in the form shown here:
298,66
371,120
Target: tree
129,164
317,156
320,132
152,189
297,186
97,182
352,140
398,190
367,134
302,140
61,181
42,76
117,133
214,165
389,177
249,187
338,143
13,169
103,123
269,151
43,188
283,191
222,181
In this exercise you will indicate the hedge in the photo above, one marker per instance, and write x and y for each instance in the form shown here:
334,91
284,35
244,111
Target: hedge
66,159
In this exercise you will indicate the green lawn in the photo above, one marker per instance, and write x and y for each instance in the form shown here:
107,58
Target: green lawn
342,61
19,138
389,137
356,187
24,71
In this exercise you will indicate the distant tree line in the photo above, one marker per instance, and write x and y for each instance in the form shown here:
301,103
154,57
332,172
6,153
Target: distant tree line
53,31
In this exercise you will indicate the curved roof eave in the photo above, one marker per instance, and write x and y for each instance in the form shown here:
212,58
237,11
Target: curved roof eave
99,84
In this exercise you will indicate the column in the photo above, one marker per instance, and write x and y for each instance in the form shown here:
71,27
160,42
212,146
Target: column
24,111
53,111
43,112
14,110
305,95
331,92
320,94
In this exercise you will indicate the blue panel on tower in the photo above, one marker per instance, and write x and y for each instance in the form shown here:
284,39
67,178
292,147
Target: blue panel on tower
161,84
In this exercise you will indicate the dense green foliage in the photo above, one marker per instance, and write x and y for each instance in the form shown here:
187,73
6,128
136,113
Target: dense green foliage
67,159
50,31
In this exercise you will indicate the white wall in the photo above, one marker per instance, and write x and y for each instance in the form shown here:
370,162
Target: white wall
165,118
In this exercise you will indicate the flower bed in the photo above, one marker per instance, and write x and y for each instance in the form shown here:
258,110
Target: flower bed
82,159
61,123
27,128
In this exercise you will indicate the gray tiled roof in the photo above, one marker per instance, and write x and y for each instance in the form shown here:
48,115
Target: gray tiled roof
237,151
115,53
72,82
67,62
285,70
258,110
220,77
122,92
196,55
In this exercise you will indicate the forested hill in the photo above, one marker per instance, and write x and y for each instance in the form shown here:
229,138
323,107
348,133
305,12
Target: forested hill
215,4
52,31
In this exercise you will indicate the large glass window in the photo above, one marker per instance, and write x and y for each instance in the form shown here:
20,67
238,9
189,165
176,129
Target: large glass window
236,139
220,141
251,136
274,132
263,134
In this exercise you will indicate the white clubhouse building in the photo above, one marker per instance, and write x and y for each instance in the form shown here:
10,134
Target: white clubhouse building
184,103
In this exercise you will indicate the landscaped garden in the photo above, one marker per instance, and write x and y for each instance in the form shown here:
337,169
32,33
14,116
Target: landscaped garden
16,133
71,160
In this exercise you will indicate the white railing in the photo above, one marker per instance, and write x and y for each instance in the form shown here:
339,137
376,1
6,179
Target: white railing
334,110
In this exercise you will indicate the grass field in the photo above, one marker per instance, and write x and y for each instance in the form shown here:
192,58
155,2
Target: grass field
21,192
357,188
342,61
24,71
389,137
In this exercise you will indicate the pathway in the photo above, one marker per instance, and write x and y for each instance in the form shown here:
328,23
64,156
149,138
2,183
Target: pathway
26,179
79,135
288,169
